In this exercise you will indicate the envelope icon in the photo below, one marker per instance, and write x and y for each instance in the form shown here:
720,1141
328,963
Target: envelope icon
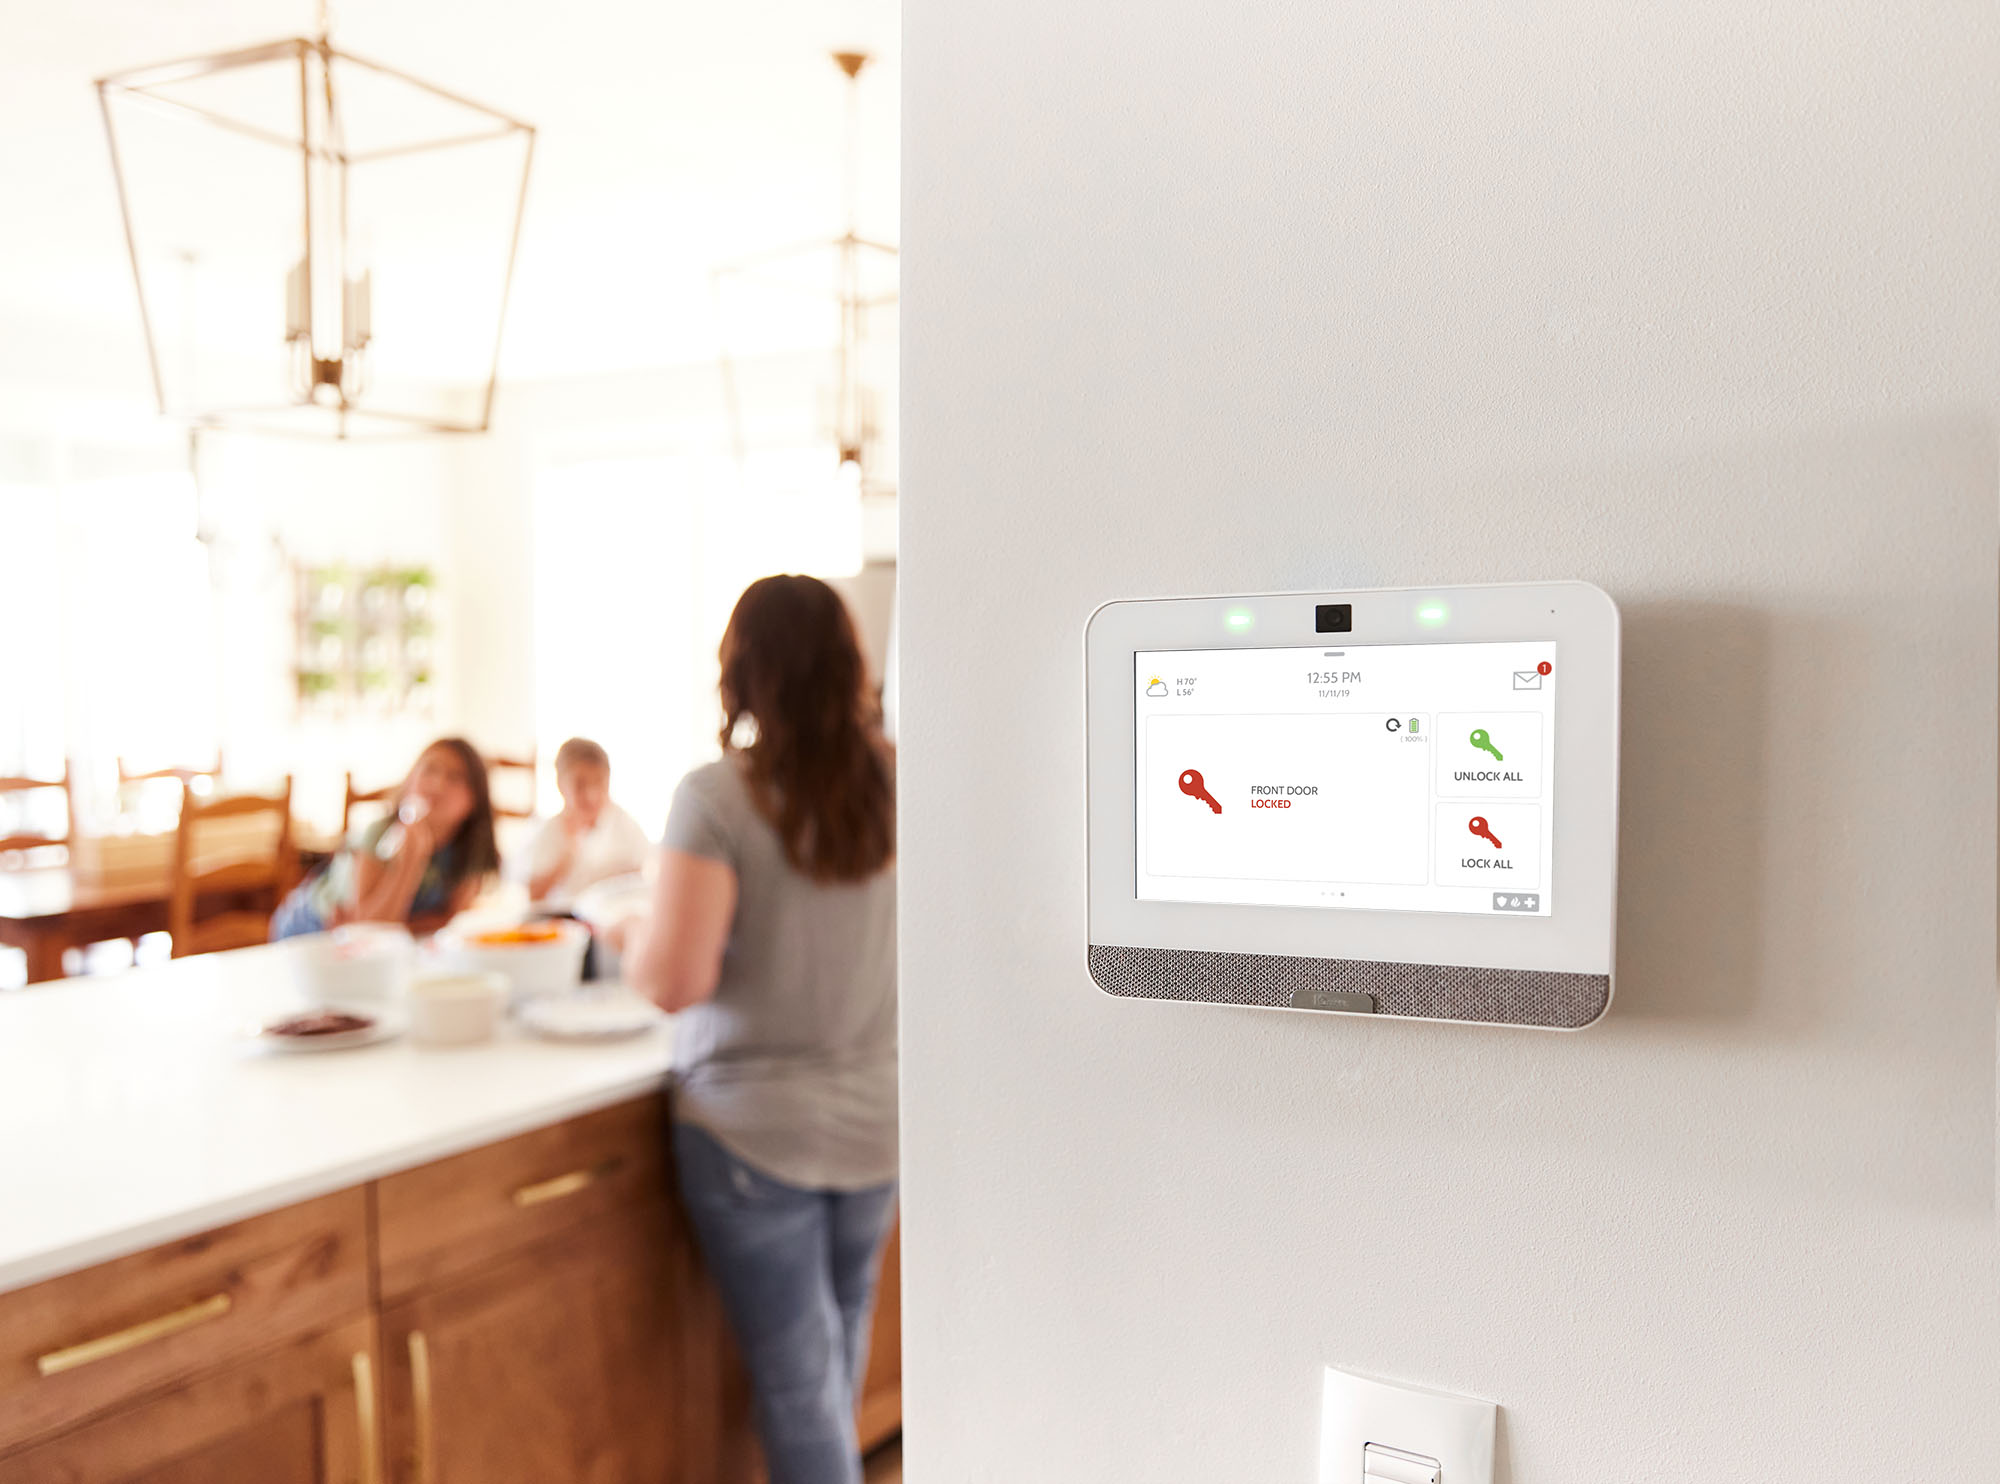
1527,680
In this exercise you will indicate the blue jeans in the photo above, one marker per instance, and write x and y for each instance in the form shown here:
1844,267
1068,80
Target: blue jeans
796,1269
298,913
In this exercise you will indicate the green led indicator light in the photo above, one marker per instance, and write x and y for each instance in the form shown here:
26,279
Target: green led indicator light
1431,613
1238,619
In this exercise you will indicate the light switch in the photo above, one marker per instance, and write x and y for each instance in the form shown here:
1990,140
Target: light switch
1379,1461
1385,1432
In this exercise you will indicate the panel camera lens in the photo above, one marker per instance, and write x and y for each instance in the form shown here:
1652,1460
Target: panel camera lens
1333,618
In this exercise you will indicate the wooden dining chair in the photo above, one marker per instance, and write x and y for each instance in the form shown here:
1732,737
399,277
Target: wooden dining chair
360,796
184,775
215,904
498,762
28,840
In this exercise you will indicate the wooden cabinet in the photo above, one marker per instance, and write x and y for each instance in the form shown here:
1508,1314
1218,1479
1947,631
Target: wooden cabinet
879,1413
530,1312
303,1413
456,1214
556,1364
78,1344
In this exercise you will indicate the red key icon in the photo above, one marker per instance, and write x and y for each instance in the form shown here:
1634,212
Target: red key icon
1194,788
1477,824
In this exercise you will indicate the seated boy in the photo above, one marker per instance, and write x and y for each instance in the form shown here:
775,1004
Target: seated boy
591,840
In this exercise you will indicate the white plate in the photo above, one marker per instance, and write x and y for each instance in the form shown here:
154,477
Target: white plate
590,1015
388,1025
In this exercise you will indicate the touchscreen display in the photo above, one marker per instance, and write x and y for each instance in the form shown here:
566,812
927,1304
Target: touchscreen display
1397,777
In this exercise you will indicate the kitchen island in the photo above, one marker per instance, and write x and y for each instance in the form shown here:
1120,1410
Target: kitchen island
385,1263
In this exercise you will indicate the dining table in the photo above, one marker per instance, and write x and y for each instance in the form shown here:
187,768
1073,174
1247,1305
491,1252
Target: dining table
47,910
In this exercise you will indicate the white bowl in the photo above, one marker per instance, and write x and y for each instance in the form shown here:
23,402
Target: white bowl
366,963
456,1009
532,968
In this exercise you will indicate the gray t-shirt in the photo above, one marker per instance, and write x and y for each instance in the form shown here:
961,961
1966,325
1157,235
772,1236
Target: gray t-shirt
792,1065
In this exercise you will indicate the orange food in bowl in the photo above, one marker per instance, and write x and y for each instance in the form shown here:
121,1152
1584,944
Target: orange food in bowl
515,937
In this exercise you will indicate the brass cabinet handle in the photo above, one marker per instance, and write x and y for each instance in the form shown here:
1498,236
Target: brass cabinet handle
420,1394
143,1333
561,1185
364,1417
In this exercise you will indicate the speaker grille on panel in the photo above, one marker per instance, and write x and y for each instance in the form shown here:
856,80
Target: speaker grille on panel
1432,991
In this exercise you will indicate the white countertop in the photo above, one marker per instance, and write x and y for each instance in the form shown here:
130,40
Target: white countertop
135,1110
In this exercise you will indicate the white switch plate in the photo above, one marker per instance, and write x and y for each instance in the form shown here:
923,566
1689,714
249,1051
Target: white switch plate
1358,1410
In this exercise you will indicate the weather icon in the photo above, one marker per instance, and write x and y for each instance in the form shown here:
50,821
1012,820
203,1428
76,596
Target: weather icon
1156,687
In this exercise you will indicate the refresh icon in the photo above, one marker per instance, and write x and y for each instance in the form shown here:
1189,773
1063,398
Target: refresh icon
1394,723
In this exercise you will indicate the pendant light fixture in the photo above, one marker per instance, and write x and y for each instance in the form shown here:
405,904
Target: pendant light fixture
864,292
352,228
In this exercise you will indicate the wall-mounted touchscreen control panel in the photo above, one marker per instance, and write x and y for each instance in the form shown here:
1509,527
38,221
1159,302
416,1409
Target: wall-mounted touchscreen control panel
1296,798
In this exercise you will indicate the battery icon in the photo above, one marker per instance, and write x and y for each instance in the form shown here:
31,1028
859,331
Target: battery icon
1413,726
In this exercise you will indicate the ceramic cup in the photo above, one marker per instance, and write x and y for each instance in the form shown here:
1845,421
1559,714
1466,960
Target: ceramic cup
456,1009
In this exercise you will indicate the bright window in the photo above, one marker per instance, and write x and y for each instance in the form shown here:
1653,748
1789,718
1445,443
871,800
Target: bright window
637,564
107,632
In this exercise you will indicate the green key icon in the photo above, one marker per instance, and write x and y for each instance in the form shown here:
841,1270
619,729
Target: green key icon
1485,744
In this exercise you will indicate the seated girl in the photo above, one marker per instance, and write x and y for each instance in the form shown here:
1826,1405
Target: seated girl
421,866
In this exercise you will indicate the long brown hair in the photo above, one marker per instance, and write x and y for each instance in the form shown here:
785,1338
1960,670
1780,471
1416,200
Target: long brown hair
472,851
819,768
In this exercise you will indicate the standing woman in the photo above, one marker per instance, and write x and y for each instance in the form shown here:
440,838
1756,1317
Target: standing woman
773,930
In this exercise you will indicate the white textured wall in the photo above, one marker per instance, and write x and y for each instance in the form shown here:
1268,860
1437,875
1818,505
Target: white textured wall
1699,302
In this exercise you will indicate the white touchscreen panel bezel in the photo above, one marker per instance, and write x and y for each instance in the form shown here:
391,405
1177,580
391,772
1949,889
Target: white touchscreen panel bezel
1575,937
